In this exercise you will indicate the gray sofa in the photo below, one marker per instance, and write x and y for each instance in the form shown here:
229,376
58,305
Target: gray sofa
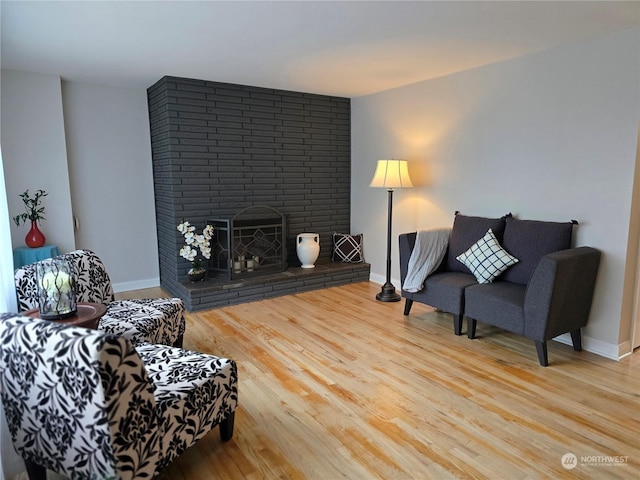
547,293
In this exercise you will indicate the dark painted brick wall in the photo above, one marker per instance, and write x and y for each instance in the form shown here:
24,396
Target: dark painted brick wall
218,148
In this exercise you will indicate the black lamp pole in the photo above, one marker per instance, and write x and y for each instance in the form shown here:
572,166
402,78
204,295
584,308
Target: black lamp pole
390,174
388,292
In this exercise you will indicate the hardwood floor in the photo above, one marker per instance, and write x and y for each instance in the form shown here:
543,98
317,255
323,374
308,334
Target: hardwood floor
334,384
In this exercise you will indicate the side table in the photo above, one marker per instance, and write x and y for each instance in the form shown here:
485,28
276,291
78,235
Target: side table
87,316
26,255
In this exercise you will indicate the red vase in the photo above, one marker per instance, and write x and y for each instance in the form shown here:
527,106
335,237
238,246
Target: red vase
35,238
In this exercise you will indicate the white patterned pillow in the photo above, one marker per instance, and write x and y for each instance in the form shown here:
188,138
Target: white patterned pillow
347,248
486,258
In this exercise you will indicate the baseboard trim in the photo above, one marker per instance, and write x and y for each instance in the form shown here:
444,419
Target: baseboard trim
380,279
136,285
593,345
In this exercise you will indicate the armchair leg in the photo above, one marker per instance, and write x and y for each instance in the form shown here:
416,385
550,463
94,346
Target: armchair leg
34,471
471,327
407,306
541,347
457,324
576,339
226,427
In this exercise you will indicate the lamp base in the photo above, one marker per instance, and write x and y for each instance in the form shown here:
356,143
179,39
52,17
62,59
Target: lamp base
388,294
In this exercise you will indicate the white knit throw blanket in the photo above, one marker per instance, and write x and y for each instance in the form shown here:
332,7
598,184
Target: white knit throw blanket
428,252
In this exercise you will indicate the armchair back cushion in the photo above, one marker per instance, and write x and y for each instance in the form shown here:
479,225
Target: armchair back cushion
465,232
529,241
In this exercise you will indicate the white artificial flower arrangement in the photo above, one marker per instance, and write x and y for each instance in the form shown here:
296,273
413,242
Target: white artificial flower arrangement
193,242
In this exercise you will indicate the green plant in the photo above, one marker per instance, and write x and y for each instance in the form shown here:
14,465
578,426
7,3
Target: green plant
34,211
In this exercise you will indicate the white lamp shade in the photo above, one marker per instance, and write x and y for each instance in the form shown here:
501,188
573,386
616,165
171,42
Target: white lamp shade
391,174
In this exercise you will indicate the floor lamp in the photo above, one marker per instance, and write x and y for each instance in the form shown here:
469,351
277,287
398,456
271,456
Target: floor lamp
390,174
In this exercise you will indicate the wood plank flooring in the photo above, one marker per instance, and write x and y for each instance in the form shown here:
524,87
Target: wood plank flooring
335,385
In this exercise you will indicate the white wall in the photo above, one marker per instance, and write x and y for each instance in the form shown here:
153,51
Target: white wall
108,175
35,154
110,168
548,136
89,147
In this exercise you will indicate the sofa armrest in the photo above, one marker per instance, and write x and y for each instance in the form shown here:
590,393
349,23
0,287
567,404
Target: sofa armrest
406,244
559,293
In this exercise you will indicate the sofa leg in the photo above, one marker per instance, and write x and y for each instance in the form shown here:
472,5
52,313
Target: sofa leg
576,339
541,347
407,306
226,427
34,471
471,327
457,324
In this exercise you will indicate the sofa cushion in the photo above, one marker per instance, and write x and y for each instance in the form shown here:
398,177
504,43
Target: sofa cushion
465,232
499,304
347,248
151,320
194,391
487,259
529,241
445,291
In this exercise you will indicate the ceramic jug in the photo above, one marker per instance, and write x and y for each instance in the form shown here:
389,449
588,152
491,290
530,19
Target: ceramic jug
308,249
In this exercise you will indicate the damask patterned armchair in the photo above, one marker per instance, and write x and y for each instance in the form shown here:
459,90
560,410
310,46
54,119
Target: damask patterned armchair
155,320
89,405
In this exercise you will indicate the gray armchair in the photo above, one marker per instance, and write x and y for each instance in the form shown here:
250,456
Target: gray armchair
556,300
445,288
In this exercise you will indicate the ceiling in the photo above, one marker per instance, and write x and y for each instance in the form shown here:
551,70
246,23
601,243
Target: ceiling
328,47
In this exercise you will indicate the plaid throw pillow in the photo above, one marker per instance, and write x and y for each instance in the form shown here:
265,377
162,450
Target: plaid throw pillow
486,258
347,248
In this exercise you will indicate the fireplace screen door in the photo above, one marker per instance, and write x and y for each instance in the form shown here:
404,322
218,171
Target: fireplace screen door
250,243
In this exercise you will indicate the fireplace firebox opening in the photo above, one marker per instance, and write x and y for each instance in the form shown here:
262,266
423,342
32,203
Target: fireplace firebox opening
250,243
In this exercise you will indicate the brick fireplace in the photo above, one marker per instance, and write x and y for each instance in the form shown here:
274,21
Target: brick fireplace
220,148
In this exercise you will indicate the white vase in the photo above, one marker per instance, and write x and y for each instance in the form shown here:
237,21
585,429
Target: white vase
308,249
